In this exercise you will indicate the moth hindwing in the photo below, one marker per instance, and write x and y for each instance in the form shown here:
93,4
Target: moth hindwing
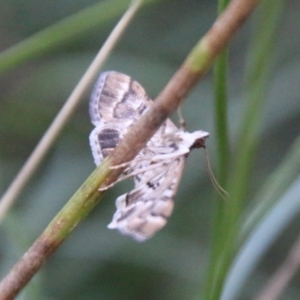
117,102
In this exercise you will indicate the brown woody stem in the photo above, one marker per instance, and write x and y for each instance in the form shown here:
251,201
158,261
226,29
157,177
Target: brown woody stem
194,67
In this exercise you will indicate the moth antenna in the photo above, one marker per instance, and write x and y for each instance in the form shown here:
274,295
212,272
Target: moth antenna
222,192
181,119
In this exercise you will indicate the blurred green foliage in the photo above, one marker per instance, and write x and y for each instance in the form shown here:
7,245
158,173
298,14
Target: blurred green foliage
97,263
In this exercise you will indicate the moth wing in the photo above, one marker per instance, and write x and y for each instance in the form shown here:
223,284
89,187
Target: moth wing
117,102
117,98
103,140
145,210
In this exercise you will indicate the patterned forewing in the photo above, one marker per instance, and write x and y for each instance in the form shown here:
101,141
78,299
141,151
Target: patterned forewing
116,103
117,98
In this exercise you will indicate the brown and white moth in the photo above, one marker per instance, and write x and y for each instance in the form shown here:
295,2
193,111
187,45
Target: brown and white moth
117,102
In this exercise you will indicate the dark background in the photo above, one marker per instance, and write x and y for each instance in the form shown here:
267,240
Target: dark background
97,263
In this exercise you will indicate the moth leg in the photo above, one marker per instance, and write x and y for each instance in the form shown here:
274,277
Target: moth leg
103,189
122,165
135,160
173,155
132,174
125,164
121,178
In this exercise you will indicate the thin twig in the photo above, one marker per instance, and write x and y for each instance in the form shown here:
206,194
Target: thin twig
276,285
64,115
62,32
196,64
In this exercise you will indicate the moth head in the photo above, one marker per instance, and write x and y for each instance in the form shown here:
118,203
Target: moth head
192,140
199,139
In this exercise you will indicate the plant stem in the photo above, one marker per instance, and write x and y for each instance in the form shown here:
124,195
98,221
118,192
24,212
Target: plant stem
196,64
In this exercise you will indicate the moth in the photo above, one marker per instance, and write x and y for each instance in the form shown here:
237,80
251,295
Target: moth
117,102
